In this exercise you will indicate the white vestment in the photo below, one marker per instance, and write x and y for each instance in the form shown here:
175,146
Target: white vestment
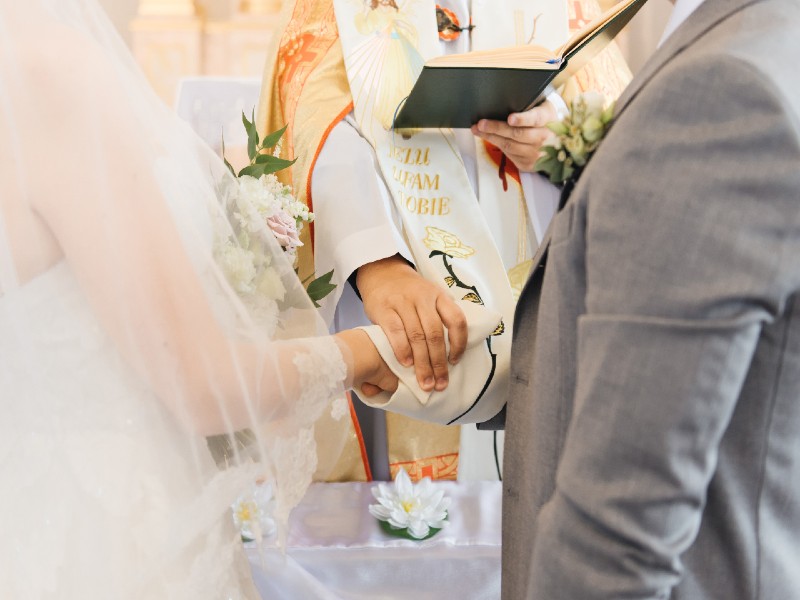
358,223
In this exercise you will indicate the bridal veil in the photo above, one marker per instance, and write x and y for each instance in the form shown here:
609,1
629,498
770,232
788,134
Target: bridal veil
129,334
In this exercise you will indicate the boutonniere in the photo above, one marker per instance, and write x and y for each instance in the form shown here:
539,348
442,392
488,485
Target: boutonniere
576,138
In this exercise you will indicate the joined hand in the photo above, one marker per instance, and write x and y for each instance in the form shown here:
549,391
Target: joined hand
413,313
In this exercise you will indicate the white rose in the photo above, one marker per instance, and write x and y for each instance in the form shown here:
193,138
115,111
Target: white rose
238,266
284,228
594,102
270,285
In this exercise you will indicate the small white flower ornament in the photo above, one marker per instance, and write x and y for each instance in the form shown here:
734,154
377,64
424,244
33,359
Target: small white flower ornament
417,511
252,513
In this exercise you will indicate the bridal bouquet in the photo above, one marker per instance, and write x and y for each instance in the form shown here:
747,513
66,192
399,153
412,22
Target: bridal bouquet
257,205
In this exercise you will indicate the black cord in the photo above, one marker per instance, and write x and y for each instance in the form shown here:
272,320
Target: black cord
497,457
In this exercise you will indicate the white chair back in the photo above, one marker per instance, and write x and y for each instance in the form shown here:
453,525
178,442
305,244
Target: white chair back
213,107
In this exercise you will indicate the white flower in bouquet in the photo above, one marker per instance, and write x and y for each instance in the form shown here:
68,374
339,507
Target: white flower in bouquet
239,267
284,227
255,200
270,285
419,508
259,201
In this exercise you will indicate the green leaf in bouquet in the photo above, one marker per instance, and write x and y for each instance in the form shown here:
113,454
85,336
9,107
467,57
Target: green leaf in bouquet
271,140
253,171
252,135
225,160
320,287
273,164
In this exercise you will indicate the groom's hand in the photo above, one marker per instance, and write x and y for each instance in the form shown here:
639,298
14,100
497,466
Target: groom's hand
414,313
520,137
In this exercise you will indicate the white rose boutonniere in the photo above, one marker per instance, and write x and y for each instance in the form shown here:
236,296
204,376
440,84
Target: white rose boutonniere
576,138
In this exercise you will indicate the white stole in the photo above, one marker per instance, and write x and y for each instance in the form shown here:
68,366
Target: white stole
444,225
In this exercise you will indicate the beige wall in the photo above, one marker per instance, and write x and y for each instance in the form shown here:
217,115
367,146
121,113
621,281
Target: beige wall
123,11
645,32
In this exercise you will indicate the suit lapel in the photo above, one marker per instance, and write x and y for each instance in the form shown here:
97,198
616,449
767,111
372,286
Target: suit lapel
705,17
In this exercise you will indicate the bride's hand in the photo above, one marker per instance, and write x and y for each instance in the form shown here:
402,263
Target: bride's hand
369,375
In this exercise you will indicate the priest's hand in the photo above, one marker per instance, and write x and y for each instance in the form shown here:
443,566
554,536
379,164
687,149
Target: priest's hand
414,313
521,137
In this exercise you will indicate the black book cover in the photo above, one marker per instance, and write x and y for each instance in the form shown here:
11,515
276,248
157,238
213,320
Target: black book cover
461,96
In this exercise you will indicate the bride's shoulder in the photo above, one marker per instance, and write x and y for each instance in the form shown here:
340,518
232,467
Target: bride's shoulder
60,62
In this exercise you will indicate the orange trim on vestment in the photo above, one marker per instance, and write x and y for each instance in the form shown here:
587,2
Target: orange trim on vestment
360,437
309,199
447,467
505,166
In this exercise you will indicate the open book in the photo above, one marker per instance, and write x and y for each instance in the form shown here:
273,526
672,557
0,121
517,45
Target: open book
458,90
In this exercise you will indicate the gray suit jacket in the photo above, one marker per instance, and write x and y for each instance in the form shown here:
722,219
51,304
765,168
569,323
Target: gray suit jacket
653,427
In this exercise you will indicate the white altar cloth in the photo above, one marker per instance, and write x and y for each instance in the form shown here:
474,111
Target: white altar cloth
336,550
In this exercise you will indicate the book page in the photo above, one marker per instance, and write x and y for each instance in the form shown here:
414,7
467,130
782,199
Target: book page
512,57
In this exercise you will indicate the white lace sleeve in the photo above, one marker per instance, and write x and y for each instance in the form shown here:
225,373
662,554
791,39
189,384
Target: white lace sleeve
322,372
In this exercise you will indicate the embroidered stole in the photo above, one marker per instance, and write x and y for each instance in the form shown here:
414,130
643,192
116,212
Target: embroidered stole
385,46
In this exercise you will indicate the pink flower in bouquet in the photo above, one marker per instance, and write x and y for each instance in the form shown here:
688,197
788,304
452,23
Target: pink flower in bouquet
284,227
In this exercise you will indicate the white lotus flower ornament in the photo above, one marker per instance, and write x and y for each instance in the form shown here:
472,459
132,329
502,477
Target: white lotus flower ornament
252,513
411,510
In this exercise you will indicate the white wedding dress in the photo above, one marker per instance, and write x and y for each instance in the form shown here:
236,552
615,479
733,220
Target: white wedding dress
99,501
123,341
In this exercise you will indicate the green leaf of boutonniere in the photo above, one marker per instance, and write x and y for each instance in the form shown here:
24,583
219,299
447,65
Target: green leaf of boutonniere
576,138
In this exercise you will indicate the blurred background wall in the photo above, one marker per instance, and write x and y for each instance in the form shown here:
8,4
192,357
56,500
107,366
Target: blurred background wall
643,34
177,38
173,39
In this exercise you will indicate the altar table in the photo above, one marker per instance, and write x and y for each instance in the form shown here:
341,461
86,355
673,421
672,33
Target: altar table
336,550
